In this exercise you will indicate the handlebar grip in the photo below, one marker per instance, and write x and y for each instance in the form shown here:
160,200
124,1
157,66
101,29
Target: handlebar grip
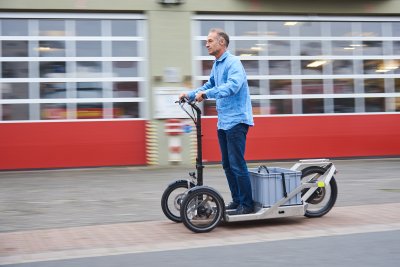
186,100
183,100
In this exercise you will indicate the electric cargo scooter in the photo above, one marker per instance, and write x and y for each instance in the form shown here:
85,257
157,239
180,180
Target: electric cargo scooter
308,188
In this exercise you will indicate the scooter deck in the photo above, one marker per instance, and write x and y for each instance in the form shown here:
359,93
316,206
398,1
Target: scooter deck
278,210
269,213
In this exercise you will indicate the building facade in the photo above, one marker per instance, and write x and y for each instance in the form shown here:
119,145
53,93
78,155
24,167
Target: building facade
93,83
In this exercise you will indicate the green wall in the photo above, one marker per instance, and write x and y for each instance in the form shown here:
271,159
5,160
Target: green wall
257,6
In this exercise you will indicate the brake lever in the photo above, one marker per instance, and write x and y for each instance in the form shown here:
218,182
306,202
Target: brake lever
182,100
186,100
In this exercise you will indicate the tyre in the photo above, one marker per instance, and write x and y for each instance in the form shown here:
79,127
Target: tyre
324,198
172,197
202,209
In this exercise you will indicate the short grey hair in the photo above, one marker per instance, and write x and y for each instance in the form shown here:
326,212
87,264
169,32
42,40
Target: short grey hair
221,34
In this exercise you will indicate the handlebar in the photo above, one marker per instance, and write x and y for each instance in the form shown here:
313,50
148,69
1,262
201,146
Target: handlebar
184,100
196,118
193,103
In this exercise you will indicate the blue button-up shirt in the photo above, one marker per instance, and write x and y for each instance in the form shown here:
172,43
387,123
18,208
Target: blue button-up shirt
228,85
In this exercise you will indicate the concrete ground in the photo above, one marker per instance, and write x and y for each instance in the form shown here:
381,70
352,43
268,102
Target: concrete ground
61,214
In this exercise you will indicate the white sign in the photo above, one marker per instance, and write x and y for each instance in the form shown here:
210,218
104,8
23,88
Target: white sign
165,106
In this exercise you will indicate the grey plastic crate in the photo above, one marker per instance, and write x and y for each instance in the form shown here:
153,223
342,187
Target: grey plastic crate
267,187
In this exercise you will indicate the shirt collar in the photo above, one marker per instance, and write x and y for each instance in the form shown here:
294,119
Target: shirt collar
224,55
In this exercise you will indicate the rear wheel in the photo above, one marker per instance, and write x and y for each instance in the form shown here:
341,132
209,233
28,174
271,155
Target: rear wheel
172,197
202,209
323,199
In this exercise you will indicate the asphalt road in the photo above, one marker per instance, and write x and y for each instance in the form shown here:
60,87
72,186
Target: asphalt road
370,249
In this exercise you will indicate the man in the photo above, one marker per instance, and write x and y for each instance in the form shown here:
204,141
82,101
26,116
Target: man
228,85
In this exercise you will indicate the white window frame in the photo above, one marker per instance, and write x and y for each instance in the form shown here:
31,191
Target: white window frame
197,59
142,71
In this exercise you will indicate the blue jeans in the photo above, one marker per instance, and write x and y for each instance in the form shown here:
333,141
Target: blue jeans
232,143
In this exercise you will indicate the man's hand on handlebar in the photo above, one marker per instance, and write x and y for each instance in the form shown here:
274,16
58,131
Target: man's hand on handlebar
200,96
183,96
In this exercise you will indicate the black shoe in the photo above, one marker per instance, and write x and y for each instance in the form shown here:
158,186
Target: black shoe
241,210
232,206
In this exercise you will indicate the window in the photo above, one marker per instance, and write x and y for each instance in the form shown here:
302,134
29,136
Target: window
79,67
309,65
88,48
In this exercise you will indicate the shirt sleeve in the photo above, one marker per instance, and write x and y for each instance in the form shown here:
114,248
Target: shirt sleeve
209,84
236,77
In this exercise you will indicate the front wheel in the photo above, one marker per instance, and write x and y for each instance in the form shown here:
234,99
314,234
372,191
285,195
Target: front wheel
202,209
172,197
324,198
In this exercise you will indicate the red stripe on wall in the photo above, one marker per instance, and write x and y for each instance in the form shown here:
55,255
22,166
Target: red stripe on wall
72,144
314,137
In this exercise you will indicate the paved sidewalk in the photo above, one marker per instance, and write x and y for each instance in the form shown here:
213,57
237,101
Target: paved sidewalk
61,214
81,197
115,239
